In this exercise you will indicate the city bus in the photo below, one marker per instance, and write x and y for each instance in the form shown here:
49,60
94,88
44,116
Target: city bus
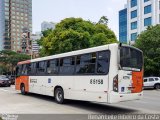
109,74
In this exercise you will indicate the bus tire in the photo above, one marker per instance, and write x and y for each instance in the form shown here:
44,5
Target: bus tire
59,95
23,92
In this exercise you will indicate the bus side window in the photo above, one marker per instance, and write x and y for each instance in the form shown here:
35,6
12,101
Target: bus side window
48,70
103,62
67,66
41,67
85,64
28,69
33,69
53,67
18,70
24,69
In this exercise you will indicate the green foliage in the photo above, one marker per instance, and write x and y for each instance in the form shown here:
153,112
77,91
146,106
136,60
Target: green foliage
75,34
149,42
3,69
9,59
103,20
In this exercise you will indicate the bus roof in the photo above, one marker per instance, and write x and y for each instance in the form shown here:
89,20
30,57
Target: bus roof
72,53
24,62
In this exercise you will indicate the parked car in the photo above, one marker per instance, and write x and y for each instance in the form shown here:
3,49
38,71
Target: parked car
4,81
151,82
12,79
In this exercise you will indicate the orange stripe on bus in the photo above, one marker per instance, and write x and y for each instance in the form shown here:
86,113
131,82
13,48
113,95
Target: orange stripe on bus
22,80
24,62
137,78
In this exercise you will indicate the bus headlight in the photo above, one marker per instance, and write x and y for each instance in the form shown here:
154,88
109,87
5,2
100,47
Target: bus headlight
115,83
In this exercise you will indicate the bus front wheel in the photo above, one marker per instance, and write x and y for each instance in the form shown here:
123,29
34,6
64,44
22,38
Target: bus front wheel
59,95
23,92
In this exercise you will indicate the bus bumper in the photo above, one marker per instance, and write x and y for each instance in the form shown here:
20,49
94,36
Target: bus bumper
116,97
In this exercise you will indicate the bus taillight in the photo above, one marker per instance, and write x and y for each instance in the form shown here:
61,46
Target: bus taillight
115,83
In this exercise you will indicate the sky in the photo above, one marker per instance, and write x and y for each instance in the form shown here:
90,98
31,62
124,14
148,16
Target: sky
57,10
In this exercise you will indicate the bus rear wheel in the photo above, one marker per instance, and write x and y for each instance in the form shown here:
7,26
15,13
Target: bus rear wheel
59,95
23,92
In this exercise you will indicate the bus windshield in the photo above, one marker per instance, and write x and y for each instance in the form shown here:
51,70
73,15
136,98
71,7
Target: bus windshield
131,59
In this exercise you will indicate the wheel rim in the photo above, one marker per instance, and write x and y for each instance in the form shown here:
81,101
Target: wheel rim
23,89
59,96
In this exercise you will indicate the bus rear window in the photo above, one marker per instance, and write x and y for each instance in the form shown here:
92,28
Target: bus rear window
131,59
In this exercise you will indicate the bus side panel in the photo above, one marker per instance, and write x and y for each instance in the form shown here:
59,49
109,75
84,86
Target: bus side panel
24,80
113,71
137,78
86,88
45,85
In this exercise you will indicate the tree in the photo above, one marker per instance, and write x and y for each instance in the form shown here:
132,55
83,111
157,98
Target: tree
75,34
3,69
149,42
103,20
9,60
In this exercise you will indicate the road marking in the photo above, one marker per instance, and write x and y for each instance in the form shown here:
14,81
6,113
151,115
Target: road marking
4,90
9,91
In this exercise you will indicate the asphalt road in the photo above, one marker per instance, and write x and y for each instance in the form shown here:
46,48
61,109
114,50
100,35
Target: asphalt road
12,102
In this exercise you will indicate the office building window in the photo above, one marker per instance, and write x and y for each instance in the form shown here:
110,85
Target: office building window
123,26
133,3
147,21
147,9
134,25
133,36
146,0
134,14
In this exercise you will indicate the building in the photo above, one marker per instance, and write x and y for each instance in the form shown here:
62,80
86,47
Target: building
35,47
47,25
2,24
15,25
37,36
123,25
140,15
